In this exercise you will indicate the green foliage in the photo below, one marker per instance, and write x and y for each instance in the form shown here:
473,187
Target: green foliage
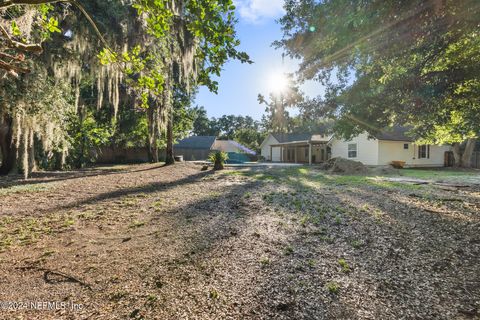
288,250
391,63
218,158
131,128
86,136
202,126
213,294
265,261
15,29
333,287
345,267
244,130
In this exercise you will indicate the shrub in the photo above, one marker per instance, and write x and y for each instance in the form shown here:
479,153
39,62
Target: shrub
218,158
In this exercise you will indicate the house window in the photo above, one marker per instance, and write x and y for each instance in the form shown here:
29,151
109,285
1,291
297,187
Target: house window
352,150
424,151
306,152
405,146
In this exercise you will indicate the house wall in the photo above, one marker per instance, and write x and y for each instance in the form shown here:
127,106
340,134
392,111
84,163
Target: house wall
192,154
367,149
389,151
265,152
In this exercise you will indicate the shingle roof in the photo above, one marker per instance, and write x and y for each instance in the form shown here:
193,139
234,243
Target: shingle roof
224,145
394,134
290,137
196,142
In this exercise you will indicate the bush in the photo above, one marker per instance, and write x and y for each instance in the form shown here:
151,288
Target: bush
218,158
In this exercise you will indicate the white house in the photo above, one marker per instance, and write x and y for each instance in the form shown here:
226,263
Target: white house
385,147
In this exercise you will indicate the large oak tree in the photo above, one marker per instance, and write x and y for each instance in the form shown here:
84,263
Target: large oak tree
390,62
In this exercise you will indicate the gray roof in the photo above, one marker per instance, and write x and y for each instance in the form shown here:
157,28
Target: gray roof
394,134
290,137
223,145
196,142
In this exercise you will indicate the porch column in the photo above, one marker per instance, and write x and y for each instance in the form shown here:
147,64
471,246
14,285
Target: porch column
295,150
310,153
281,154
271,159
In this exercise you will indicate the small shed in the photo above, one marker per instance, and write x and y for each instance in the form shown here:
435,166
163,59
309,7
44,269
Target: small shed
195,147
199,147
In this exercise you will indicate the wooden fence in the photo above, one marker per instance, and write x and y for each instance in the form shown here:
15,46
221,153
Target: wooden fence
476,160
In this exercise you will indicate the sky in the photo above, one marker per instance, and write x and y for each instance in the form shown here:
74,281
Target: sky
240,84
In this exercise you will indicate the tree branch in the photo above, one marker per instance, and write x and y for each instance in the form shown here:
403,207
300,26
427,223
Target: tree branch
9,56
10,67
9,3
35,48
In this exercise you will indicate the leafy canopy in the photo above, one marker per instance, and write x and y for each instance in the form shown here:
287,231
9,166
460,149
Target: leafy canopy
390,63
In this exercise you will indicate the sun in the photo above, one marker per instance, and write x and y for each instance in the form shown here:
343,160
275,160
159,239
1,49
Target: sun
278,83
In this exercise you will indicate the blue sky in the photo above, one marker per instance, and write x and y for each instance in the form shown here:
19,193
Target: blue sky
240,84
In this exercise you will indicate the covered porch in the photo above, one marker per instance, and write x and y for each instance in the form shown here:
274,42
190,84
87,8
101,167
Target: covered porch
311,152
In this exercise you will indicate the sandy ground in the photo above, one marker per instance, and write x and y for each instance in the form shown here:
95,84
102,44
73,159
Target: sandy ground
153,242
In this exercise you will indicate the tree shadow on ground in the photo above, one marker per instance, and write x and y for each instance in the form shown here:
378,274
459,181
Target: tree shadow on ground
41,177
264,247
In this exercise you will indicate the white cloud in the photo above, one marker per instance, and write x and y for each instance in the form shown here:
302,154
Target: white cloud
255,11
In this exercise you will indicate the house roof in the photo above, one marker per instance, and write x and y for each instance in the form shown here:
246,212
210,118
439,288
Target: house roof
196,142
394,134
225,145
291,137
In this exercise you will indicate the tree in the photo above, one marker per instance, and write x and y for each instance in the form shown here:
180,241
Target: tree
183,44
37,114
249,137
202,125
66,61
278,118
388,63
193,39
16,48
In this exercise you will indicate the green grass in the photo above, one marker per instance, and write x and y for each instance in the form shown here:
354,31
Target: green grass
345,267
333,287
24,189
436,173
264,261
136,224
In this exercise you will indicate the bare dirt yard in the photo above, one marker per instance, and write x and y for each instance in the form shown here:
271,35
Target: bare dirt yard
153,242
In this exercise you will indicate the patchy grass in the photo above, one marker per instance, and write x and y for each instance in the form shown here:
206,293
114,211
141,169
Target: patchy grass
438,173
333,287
285,242
264,261
345,267
26,188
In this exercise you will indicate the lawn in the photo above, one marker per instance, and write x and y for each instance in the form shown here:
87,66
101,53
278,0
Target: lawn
153,242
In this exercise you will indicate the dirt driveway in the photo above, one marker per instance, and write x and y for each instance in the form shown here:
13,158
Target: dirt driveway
153,242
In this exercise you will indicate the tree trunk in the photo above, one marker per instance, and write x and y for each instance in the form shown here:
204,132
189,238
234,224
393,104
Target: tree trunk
32,165
167,104
457,154
152,116
463,156
169,158
7,145
467,153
